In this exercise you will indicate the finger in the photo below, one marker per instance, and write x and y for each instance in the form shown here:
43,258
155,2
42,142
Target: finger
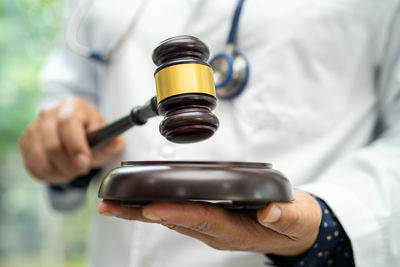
114,208
96,120
54,149
201,217
295,219
73,136
34,157
107,152
207,239
215,226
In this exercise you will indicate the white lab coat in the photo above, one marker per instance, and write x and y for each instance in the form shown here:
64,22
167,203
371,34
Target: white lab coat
322,105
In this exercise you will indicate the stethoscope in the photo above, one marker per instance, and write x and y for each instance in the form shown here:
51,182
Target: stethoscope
230,68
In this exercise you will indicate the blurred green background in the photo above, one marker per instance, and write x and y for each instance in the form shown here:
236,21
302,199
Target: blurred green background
31,233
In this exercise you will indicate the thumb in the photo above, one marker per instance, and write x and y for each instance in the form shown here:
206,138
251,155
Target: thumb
280,217
295,218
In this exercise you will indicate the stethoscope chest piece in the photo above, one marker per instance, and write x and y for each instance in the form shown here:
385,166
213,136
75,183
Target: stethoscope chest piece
231,73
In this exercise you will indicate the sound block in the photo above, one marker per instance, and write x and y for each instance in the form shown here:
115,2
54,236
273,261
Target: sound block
236,185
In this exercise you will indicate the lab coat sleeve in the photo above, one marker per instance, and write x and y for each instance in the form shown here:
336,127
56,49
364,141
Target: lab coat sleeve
65,73
363,187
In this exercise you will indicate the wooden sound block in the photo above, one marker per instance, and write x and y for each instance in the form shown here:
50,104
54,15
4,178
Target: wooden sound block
238,185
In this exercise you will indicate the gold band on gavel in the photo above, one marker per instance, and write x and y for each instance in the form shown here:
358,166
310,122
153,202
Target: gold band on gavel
183,79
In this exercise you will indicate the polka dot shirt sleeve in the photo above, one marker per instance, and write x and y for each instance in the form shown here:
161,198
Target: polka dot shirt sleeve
332,247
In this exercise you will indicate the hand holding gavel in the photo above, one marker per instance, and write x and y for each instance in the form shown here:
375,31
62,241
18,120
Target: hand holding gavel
56,146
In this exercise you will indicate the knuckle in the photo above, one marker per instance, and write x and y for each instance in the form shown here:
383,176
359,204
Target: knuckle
64,120
78,149
202,226
44,171
53,148
206,224
75,101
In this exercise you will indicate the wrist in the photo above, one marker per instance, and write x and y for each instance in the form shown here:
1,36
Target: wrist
332,246
300,249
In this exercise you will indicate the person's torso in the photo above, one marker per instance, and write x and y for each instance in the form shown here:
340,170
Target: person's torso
310,99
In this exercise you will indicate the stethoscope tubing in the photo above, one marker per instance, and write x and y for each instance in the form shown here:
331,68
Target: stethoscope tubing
235,80
82,50
234,25
104,57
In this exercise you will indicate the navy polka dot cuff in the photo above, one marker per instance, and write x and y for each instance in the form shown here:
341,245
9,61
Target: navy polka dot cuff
332,247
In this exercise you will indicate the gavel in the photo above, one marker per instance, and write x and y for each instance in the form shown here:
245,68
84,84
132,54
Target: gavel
185,96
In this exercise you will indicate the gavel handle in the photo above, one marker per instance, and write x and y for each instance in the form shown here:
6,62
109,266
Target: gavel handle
138,116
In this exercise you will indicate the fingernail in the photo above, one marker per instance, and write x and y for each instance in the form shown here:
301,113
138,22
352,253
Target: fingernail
82,160
273,215
151,216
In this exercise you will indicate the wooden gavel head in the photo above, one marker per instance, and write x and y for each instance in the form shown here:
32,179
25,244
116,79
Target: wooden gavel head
185,90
